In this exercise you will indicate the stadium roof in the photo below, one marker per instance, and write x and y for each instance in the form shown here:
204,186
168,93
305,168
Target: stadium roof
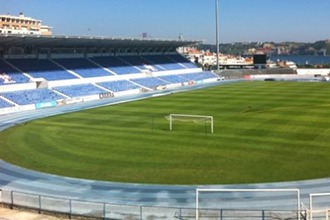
38,41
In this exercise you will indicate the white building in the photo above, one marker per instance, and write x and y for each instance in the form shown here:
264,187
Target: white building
22,25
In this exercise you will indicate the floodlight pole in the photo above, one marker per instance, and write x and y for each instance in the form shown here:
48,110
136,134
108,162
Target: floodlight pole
217,30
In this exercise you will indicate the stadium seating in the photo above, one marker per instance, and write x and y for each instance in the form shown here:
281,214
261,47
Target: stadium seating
199,76
141,63
164,62
83,67
5,104
32,96
116,65
57,70
120,68
173,78
150,82
42,68
79,90
119,86
180,59
8,75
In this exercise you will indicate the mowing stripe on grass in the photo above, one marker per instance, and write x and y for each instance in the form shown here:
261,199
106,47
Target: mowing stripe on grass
264,132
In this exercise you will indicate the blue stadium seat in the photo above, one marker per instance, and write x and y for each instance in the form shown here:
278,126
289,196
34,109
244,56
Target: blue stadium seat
83,67
25,97
180,59
150,82
80,90
141,63
199,76
44,68
119,86
164,62
173,78
8,75
116,65
5,104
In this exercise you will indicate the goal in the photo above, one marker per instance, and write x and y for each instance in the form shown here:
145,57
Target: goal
319,206
247,203
191,118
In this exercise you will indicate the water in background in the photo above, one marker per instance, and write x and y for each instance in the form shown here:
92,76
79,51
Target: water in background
302,59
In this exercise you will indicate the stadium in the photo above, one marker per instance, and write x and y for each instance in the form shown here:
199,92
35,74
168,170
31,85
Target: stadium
149,101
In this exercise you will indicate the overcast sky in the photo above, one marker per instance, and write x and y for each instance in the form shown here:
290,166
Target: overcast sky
240,20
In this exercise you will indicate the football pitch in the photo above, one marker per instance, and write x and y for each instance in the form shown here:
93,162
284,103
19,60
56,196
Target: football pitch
263,132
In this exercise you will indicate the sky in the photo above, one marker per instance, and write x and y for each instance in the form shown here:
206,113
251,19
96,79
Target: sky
239,20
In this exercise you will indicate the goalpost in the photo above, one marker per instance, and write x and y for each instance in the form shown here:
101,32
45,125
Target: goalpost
245,199
193,118
319,206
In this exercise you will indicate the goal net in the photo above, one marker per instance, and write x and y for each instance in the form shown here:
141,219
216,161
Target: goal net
206,119
212,203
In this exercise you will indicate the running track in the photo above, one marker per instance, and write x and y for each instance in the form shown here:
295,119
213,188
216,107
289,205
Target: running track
23,180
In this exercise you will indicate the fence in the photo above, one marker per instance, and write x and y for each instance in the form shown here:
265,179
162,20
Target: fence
74,208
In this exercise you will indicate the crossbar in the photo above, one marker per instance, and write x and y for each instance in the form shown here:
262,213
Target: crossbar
191,116
311,196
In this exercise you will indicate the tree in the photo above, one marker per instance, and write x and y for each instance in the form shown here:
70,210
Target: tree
328,47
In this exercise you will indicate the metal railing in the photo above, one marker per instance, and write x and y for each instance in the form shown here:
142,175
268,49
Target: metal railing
98,210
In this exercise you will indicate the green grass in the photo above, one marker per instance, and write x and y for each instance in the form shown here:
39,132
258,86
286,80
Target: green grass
264,132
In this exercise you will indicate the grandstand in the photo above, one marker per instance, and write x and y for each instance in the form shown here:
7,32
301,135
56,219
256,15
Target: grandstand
82,67
119,86
10,75
32,96
61,69
41,68
5,104
80,90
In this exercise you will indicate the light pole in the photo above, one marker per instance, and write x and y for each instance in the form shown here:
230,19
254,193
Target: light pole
217,31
